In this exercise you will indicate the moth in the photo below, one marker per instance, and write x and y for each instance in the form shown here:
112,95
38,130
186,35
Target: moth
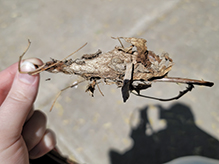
132,69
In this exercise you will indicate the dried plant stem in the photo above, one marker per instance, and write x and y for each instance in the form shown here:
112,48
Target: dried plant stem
59,93
100,90
20,58
184,80
181,93
43,67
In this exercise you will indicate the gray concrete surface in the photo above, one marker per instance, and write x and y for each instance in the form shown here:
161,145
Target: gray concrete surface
104,130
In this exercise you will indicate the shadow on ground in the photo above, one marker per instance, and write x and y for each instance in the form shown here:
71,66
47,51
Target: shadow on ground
180,138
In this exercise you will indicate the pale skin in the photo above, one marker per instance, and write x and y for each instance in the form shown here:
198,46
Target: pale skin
23,132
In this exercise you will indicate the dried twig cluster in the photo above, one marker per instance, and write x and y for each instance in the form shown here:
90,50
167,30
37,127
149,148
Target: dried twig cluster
132,68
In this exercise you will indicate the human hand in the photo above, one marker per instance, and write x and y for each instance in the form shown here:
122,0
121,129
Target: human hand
23,132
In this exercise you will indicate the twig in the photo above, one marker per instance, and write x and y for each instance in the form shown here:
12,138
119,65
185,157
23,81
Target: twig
59,93
185,80
181,93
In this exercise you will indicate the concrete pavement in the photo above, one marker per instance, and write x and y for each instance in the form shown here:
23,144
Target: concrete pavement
104,130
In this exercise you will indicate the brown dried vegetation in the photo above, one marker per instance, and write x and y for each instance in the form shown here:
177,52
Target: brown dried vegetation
132,68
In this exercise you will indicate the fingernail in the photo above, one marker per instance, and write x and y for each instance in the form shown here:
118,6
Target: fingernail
24,77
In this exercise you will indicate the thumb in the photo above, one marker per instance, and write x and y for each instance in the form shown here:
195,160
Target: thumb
19,101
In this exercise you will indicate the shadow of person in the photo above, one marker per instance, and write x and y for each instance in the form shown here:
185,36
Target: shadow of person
180,138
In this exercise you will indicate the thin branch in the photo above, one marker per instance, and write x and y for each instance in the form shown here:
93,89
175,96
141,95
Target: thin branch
20,58
42,67
185,81
99,89
45,68
59,93
181,93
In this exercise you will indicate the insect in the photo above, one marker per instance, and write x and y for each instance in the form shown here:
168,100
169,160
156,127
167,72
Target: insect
132,68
